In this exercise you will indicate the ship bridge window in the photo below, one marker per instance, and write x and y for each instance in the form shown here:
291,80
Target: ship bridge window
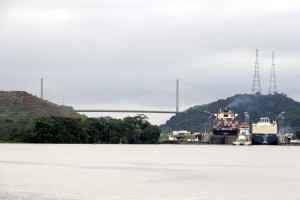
225,115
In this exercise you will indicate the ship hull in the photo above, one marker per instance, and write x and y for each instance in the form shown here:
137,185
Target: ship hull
232,132
264,139
222,139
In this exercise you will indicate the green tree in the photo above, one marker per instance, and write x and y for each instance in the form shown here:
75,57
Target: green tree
132,130
297,134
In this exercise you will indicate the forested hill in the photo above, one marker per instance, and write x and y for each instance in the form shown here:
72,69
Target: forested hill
256,105
26,118
20,104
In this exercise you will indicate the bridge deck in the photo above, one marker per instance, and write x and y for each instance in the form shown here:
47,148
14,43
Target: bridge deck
129,111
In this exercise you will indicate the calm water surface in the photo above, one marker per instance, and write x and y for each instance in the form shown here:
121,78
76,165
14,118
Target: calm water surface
167,172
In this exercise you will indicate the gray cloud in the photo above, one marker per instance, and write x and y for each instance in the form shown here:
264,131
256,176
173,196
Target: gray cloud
122,52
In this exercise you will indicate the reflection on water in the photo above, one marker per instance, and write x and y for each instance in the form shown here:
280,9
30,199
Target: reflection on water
167,172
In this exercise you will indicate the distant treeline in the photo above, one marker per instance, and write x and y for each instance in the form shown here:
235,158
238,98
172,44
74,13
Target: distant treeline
130,130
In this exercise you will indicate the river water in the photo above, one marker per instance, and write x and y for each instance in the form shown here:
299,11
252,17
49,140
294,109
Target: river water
142,172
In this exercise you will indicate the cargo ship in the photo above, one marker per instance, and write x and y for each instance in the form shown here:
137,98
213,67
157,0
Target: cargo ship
264,132
225,128
226,123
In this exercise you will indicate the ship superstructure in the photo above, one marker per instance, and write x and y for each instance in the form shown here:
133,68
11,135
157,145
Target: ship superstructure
244,136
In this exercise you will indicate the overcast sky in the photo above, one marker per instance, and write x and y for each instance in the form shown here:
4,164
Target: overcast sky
128,54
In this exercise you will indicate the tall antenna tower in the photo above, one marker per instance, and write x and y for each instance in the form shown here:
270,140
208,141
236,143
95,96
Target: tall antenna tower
272,86
42,88
256,88
177,95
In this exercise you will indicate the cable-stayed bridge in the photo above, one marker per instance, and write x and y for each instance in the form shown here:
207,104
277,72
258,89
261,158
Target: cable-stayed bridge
139,98
147,95
137,111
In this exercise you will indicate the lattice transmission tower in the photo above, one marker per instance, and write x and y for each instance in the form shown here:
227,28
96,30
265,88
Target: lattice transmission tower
256,87
272,86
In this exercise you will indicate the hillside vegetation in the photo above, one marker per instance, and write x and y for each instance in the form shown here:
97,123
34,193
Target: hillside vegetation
130,130
25,118
20,104
193,119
